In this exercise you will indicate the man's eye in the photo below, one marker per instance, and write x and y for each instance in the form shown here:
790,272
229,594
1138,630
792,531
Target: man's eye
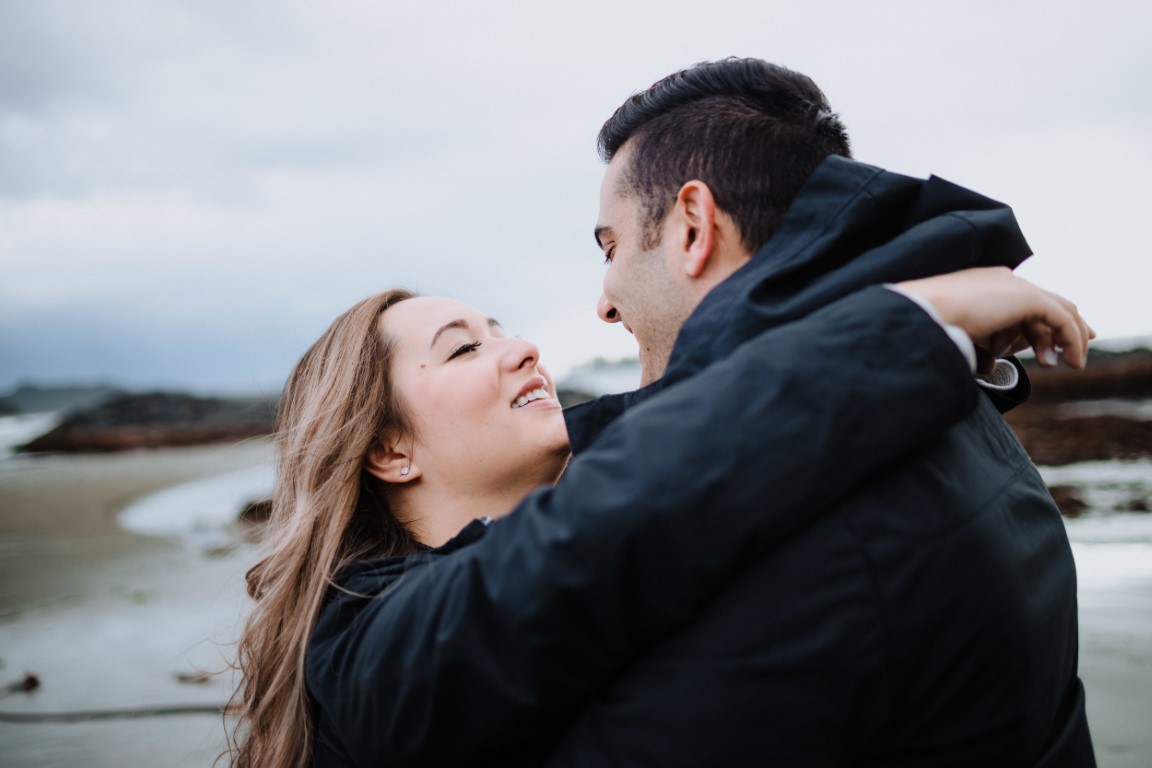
609,253
472,347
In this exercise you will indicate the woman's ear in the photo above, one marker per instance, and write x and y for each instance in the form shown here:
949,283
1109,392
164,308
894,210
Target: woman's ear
390,464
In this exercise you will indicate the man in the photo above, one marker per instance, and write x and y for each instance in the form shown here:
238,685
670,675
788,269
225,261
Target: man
484,651
930,617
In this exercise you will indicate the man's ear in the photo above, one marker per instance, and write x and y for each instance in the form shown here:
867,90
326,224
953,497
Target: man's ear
696,213
390,464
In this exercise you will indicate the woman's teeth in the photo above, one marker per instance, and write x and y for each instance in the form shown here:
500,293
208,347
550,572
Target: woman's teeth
524,399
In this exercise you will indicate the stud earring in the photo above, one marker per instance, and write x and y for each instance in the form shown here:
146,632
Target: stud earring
404,471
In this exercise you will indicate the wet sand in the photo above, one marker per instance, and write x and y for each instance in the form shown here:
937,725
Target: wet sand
108,618
1116,650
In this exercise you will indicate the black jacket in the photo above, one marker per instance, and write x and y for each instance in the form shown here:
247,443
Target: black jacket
930,618
483,654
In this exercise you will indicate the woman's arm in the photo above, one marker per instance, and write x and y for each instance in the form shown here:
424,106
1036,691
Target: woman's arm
465,656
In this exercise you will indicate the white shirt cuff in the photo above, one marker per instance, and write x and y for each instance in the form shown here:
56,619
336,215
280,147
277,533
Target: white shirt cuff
1004,377
955,332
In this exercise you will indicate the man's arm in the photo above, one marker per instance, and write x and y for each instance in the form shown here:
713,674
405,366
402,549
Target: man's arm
511,633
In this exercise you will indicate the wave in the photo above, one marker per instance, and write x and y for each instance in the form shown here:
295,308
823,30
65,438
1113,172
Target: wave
18,430
201,511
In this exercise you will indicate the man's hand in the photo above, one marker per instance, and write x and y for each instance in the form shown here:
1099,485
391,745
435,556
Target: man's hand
1003,313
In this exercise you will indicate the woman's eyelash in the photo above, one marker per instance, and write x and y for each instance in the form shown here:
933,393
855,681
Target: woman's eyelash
472,347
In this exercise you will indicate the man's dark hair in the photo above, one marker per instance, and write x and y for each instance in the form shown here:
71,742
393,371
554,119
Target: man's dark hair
752,131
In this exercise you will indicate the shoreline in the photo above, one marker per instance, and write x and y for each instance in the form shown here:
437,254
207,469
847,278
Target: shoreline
107,618
50,493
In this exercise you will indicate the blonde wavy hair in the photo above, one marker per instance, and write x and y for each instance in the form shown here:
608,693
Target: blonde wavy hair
327,512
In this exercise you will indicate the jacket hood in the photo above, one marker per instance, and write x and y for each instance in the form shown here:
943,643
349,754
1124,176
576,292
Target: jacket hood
852,225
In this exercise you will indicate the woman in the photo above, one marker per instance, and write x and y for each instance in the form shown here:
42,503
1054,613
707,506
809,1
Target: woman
414,417
352,455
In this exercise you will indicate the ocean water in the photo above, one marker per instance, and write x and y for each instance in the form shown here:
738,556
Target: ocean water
202,513
17,430
1112,547
1109,488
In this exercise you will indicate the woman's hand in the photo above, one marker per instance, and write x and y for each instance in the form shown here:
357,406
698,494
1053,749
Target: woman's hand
1003,313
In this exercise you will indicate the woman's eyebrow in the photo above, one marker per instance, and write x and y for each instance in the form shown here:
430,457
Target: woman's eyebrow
462,324
447,327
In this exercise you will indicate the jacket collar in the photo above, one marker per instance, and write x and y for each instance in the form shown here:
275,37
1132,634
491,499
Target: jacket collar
852,225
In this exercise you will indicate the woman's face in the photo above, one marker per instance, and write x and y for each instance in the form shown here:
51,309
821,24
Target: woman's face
483,409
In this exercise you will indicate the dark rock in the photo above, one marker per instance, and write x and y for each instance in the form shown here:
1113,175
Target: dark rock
1069,500
1055,429
27,684
1053,439
157,419
256,512
193,678
1125,375
253,518
1138,504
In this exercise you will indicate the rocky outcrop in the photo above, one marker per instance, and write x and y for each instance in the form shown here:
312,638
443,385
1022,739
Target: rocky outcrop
1109,375
1052,437
157,419
1069,499
1056,428
1053,425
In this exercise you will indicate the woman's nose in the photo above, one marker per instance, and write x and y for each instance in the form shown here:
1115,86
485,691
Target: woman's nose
520,353
606,311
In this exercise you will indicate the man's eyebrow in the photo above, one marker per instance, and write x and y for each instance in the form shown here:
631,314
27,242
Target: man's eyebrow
463,324
601,230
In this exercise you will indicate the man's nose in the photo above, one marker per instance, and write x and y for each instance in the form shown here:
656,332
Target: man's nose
606,311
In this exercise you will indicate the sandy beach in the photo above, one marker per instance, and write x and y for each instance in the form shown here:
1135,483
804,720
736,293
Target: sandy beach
1116,654
108,618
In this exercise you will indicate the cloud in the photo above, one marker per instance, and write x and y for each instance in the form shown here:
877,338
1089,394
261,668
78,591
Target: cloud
232,176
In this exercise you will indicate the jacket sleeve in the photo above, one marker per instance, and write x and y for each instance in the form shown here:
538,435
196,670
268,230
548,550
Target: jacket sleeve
481,649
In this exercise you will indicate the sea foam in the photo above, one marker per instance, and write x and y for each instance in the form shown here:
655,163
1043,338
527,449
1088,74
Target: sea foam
199,509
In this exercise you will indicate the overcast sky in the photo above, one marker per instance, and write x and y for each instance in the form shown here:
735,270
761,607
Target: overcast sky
190,191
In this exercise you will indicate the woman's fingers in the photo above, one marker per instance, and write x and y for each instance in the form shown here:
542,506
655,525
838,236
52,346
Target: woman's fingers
995,308
1067,330
1040,338
1006,342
